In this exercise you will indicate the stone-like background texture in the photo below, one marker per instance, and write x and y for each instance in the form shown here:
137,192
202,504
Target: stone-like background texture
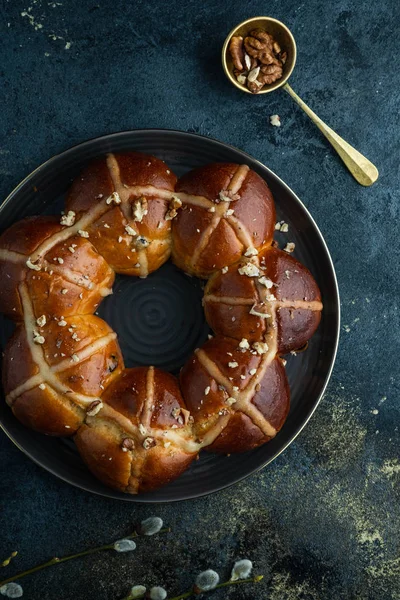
322,521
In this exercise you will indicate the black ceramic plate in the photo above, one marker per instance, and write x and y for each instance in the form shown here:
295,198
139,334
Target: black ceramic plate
160,320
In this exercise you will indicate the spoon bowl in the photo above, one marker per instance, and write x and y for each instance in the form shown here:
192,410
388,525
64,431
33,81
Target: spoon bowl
279,32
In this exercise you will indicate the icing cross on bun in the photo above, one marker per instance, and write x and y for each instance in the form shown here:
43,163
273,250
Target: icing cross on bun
66,367
124,201
64,273
142,438
238,395
227,209
63,373
255,295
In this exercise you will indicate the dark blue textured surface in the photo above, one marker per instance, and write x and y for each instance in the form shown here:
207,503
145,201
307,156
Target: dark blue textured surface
322,521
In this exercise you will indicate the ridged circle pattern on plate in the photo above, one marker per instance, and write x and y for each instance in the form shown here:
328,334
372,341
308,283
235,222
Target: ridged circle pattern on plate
146,335
159,320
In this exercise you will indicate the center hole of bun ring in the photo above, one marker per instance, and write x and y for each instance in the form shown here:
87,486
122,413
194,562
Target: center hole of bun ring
159,320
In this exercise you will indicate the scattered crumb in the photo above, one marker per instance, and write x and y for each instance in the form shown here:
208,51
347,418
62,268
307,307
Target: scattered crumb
290,246
275,120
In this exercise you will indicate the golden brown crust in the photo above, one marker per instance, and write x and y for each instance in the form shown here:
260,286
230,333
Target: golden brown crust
14,369
115,232
230,297
142,429
222,372
27,235
103,456
70,278
239,435
46,412
236,211
74,365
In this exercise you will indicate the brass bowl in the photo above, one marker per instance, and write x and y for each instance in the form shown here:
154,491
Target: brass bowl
281,34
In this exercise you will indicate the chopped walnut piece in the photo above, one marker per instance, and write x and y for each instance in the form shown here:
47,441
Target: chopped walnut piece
251,251
260,347
233,364
224,270
68,219
83,233
148,443
127,444
94,408
244,344
176,412
41,321
114,198
140,209
290,246
173,207
130,231
186,416
37,338
223,196
275,120
249,269
42,386
266,281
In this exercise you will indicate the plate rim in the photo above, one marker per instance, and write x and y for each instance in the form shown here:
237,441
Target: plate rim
110,493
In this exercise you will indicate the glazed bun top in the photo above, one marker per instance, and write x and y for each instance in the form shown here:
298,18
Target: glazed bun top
63,275
227,209
125,199
254,296
108,174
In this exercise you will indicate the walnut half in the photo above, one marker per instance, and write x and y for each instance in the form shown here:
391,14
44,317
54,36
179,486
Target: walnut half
237,52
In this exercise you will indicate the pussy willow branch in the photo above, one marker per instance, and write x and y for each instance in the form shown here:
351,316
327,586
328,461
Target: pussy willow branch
56,560
193,592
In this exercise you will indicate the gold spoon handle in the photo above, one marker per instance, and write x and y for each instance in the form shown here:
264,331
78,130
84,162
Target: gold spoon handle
360,167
